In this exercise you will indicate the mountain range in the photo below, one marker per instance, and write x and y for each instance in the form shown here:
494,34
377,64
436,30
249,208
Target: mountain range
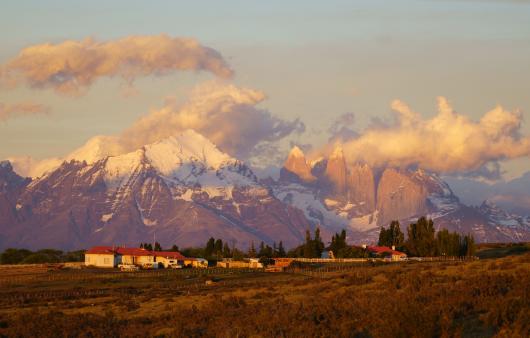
183,189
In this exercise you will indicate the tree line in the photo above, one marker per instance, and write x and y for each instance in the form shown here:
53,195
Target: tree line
24,256
424,241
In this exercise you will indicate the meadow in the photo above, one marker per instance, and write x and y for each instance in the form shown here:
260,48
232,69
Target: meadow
489,297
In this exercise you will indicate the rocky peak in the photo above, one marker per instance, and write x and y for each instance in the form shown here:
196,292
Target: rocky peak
8,178
361,186
296,164
336,171
400,195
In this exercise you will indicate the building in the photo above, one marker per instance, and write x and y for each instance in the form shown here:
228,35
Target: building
170,258
387,252
252,263
135,256
109,257
196,262
102,256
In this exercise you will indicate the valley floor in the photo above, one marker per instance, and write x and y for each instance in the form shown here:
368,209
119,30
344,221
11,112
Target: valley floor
484,298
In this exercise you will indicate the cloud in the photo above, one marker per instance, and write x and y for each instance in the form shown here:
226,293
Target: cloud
8,111
27,166
446,143
224,113
70,67
341,129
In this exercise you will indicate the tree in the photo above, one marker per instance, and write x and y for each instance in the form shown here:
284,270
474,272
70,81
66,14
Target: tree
237,254
447,243
218,247
158,247
468,246
252,250
338,244
226,251
265,250
174,248
421,242
281,250
391,237
210,247
312,248
14,256
318,244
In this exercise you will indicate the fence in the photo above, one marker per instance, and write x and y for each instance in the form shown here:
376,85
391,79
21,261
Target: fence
101,274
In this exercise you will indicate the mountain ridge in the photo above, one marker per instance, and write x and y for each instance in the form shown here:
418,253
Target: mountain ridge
184,190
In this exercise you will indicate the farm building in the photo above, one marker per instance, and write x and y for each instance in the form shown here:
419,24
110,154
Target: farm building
102,256
386,252
252,263
171,258
109,257
135,256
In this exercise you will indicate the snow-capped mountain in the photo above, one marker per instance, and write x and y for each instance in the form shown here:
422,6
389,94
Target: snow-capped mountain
339,195
181,190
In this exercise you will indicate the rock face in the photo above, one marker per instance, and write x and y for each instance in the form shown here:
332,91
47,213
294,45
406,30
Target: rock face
336,172
361,186
354,197
296,167
11,186
399,196
182,190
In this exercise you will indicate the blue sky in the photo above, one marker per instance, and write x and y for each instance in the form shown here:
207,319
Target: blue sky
313,59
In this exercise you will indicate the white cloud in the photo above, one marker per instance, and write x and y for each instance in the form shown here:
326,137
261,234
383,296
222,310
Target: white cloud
447,143
225,114
70,67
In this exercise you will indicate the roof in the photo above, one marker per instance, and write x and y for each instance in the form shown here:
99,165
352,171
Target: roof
169,254
133,251
109,250
385,249
102,250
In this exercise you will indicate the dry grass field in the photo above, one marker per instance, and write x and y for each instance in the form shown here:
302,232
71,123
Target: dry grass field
485,298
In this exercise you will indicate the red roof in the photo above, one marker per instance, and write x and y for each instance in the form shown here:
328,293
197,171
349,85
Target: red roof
133,251
109,250
385,249
169,254
101,250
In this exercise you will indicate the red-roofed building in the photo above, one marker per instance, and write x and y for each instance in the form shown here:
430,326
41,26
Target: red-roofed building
102,256
108,256
386,252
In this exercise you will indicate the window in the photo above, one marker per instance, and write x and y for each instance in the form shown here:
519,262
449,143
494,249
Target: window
106,260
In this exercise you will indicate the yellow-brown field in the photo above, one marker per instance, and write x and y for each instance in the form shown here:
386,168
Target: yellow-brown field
484,298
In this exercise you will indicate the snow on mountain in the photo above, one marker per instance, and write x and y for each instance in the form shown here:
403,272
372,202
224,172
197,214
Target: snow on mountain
95,149
361,200
182,187
188,160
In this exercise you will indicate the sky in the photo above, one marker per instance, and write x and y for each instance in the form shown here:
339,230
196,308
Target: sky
314,61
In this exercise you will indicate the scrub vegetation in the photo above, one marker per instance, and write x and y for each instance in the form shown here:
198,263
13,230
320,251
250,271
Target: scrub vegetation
480,298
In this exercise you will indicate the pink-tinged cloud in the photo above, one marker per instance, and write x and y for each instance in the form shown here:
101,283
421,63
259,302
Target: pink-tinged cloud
70,67
446,143
8,111
224,113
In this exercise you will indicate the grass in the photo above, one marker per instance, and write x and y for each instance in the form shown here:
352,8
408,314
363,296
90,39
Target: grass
482,298
489,251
